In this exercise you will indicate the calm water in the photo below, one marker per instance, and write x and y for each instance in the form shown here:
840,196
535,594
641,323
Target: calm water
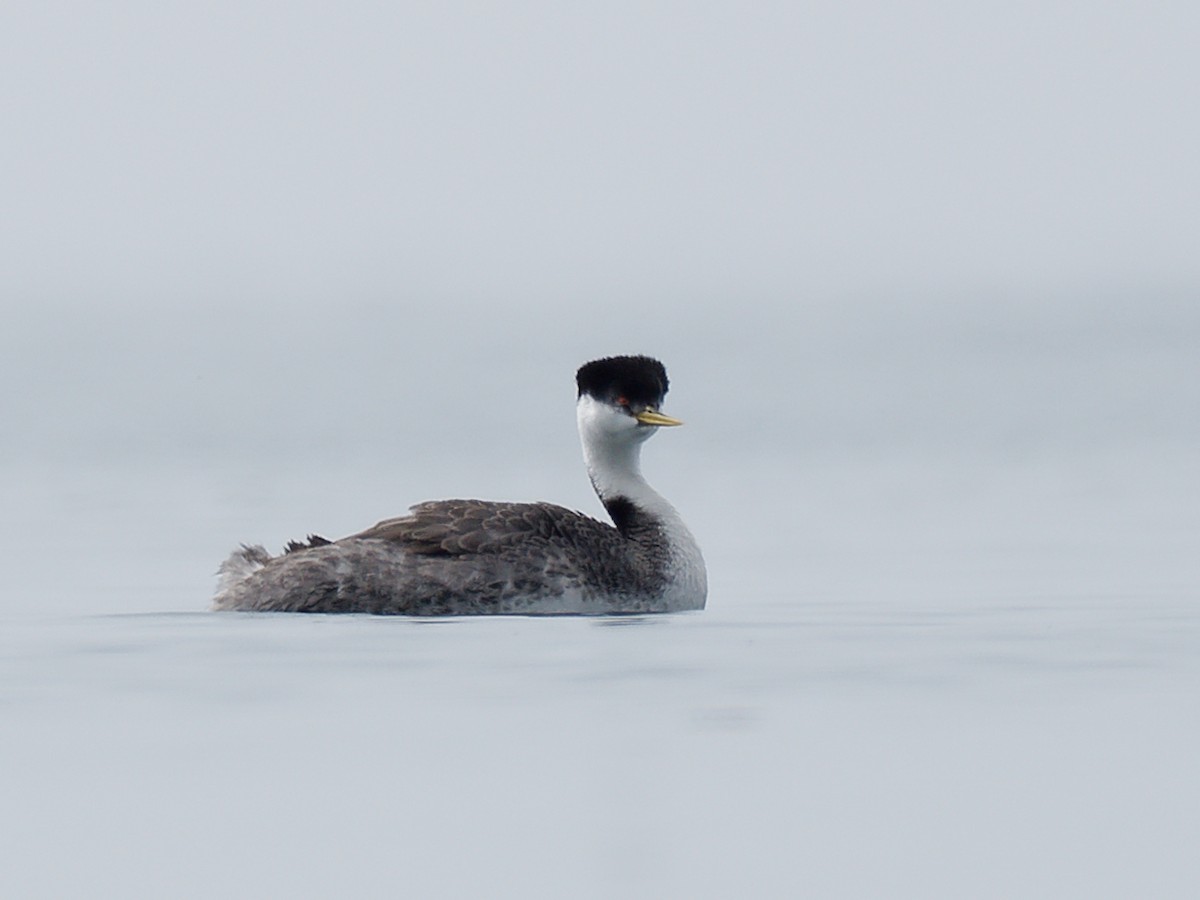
952,645
948,688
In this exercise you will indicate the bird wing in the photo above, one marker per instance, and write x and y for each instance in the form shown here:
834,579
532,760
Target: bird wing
457,527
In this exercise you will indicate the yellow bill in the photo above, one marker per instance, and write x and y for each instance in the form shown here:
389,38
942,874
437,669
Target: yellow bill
650,417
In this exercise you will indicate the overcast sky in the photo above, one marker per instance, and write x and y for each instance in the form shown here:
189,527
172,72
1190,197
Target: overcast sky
396,225
537,153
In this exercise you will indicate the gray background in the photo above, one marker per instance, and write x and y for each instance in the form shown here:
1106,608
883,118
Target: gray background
926,281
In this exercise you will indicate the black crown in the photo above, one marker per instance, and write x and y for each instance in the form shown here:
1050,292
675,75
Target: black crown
639,379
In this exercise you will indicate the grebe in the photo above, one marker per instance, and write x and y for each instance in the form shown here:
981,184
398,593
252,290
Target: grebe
475,557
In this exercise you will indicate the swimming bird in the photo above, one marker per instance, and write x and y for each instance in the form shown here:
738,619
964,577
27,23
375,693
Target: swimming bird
473,557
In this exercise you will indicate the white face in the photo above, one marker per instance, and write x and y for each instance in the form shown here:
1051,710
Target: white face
608,423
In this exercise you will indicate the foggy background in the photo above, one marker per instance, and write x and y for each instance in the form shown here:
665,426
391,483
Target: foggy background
370,245
532,155
279,225
925,278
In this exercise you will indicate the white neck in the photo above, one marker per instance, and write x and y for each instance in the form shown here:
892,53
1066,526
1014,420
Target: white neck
612,449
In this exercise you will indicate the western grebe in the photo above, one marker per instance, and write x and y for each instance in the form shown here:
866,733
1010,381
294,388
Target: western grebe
473,557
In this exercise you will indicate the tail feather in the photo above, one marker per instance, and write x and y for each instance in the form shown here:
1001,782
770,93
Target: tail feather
241,564
314,540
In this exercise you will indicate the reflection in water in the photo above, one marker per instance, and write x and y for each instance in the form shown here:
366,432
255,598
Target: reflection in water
621,621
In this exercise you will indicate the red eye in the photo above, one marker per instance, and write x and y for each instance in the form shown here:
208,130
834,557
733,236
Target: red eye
622,401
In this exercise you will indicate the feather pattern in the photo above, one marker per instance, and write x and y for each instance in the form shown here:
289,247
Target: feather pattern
466,557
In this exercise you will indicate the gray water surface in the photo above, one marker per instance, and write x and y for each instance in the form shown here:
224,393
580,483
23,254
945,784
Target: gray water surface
911,680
